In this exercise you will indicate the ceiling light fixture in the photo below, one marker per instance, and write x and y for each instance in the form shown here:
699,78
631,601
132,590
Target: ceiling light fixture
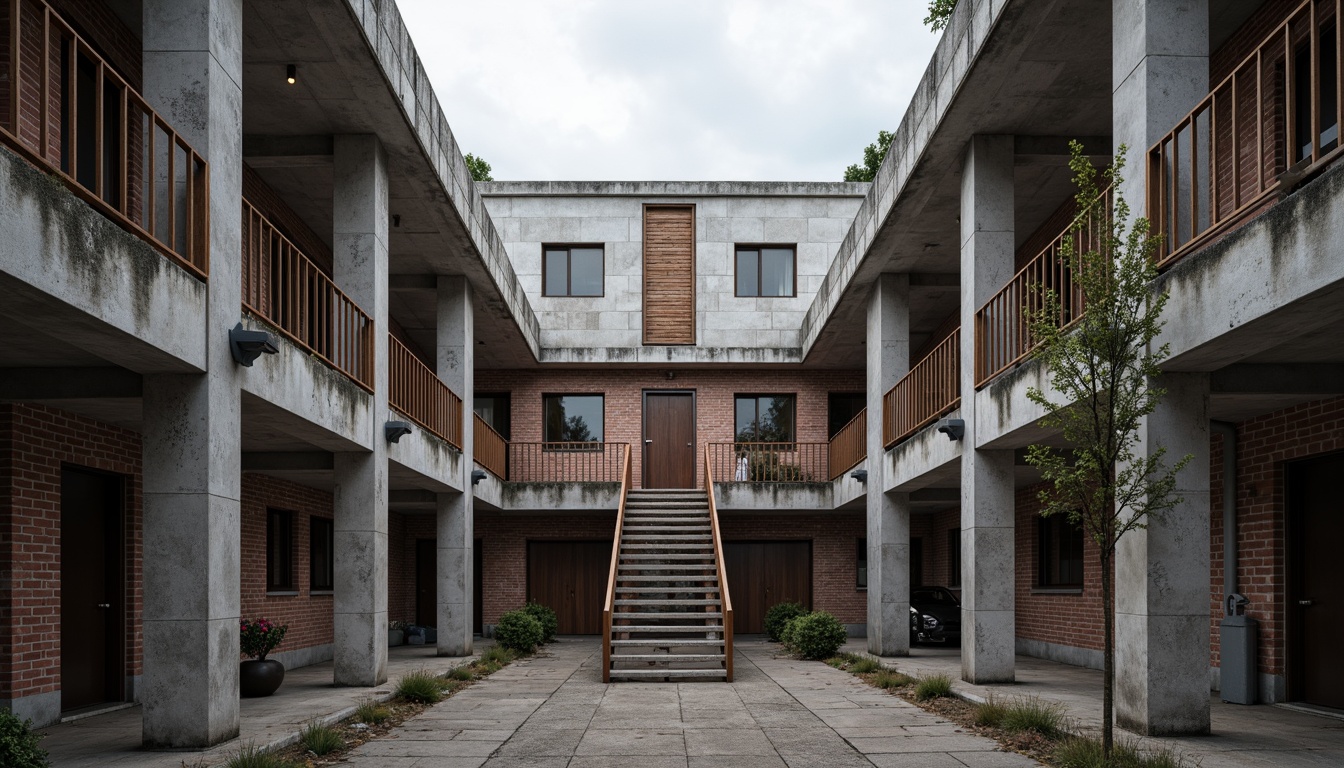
292,74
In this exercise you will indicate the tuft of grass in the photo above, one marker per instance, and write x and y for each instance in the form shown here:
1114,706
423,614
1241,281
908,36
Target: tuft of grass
933,687
842,660
320,739
990,714
1032,714
370,712
461,674
497,655
1085,752
888,678
421,686
864,665
252,756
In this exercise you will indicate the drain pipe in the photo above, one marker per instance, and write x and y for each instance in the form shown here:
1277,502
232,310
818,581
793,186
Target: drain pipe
1228,432
1237,674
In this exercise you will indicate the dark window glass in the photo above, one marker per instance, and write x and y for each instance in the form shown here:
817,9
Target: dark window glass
572,418
321,552
954,557
572,270
279,550
764,418
1059,554
766,270
1327,123
916,562
842,408
494,409
861,559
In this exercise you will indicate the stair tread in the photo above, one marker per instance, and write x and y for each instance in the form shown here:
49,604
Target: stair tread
658,673
667,657
655,615
667,602
674,642
690,630
661,590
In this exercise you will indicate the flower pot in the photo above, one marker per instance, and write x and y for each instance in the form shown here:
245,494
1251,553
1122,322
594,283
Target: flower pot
257,677
395,637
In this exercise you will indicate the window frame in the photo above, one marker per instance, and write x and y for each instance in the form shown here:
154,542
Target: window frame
282,519
569,248
954,558
758,248
861,564
793,425
572,445
328,526
1047,531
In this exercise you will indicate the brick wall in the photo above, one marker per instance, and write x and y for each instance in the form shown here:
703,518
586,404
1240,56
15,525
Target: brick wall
1062,618
714,391
309,616
932,528
35,441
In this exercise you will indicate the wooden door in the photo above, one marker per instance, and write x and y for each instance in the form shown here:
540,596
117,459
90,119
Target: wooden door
91,589
669,440
763,573
427,582
669,274
570,578
1315,598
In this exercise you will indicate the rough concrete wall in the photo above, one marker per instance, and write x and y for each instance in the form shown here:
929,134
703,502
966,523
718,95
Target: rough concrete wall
815,225
308,615
37,441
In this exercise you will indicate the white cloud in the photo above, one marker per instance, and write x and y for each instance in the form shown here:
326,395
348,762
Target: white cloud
615,89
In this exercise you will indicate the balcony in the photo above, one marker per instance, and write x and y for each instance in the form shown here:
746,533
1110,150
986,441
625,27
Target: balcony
1271,123
282,286
931,389
419,394
65,109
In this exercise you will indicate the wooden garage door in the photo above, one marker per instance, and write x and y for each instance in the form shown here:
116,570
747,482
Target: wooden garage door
669,274
570,577
763,573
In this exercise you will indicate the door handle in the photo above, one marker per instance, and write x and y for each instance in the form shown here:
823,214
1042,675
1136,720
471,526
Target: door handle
1304,602
104,605
688,445
648,442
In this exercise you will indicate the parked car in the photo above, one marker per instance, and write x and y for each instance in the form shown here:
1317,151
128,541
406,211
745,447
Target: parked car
935,616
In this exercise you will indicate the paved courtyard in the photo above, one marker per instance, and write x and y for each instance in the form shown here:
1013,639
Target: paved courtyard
554,711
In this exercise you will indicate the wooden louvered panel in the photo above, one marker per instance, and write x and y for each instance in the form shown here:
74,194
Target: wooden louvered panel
669,274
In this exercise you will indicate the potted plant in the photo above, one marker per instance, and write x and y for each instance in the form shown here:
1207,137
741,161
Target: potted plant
258,675
396,633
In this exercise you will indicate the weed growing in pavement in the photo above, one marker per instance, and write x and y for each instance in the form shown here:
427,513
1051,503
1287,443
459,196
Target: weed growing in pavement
864,665
320,739
252,756
887,679
1083,752
843,660
933,687
1033,715
421,686
463,674
989,714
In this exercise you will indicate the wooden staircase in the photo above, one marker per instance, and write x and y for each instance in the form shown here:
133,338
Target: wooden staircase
668,615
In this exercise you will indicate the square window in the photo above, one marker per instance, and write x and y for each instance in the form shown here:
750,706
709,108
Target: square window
1059,553
572,419
766,270
572,270
279,550
493,408
763,418
321,554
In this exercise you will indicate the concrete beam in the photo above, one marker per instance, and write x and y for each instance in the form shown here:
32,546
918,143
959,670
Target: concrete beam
69,383
412,282
414,496
264,151
934,279
1322,379
1027,148
287,461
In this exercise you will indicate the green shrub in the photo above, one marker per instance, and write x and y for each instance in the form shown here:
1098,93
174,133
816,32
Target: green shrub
421,686
1032,714
519,632
18,744
863,666
818,635
933,687
252,756
990,714
550,624
887,678
1081,752
371,712
462,673
779,615
320,739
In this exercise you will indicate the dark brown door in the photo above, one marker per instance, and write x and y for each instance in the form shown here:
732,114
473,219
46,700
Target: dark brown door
427,582
669,440
477,580
763,573
570,578
91,595
1315,599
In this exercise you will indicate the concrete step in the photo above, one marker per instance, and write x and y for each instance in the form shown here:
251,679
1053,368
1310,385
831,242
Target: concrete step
690,507
663,643
667,657
658,674
667,602
656,556
680,538
641,527
660,615
668,579
639,628
694,546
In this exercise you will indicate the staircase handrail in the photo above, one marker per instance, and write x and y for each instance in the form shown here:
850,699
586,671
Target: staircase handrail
724,597
610,604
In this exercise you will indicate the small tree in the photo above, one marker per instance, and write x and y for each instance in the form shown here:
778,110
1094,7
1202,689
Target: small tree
1103,368
480,170
872,158
939,12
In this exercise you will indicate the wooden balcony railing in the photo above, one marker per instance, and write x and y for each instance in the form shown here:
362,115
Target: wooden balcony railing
850,445
770,462
565,462
609,605
284,287
932,388
65,108
719,568
418,392
1275,119
489,448
1002,329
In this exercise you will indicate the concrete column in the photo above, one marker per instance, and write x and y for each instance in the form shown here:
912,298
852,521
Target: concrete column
359,250
1162,580
191,428
888,513
1160,55
456,360
988,636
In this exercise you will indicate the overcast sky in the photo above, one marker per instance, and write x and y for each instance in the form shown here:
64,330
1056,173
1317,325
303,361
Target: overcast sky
696,89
